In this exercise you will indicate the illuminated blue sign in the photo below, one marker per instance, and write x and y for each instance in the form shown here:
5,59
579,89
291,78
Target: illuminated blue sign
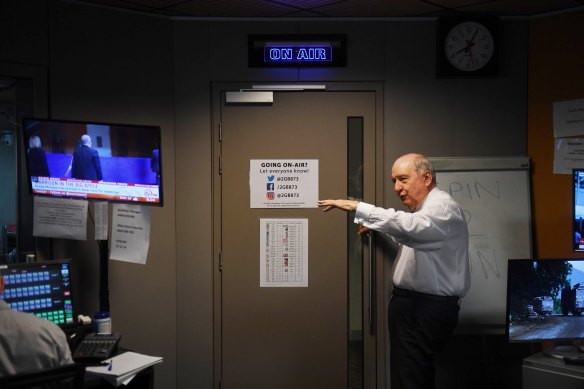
282,51
297,54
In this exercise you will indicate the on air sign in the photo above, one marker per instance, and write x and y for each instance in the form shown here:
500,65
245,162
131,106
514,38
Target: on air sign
297,50
298,54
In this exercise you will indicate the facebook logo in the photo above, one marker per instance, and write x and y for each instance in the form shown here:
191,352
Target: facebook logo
270,186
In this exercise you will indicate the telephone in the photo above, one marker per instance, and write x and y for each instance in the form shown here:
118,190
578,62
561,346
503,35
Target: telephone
96,347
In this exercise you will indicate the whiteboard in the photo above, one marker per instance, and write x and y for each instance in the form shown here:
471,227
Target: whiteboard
495,195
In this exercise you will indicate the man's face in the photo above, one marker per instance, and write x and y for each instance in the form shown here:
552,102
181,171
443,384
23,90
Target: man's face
411,187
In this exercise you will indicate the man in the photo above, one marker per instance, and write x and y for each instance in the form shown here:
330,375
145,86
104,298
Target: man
86,164
431,271
29,343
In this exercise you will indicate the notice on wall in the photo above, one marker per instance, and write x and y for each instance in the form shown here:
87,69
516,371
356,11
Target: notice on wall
283,183
283,253
130,233
101,217
60,218
569,118
568,155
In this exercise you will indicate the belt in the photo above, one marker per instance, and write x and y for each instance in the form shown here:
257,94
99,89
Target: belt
413,294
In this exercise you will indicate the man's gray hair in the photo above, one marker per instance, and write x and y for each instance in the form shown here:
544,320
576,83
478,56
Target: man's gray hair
424,165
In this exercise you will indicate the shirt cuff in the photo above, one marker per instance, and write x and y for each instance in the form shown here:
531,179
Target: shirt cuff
362,212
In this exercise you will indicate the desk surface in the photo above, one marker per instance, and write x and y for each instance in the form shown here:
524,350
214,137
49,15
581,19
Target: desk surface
143,380
541,361
542,372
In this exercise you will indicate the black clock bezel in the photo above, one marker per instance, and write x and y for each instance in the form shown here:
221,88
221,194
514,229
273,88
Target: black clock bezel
444,68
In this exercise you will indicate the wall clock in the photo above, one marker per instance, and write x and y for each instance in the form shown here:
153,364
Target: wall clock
467,47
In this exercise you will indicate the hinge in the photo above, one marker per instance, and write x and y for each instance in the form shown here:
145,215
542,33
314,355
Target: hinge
220,165
220,131
220,261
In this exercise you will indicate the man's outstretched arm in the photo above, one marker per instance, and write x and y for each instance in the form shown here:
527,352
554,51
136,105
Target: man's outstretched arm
345,205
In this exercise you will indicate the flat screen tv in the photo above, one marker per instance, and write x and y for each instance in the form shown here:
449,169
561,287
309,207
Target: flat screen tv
93,160
41,288
578,209
545,302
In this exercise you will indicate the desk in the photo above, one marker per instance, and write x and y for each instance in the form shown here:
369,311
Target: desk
143,380
543,372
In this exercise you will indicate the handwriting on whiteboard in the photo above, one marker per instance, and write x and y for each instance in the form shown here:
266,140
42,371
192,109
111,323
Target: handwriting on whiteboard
480,252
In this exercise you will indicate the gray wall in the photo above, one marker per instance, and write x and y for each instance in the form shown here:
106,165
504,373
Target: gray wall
104,65
115,66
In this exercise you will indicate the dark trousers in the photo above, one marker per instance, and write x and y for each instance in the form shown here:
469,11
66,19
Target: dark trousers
419,328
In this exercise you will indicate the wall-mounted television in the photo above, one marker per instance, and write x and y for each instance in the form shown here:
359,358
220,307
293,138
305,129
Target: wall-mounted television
545,302
94,160
578,209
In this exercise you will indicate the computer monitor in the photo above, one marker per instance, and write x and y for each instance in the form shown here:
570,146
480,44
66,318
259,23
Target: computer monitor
41,288
545,302
93,160
578,209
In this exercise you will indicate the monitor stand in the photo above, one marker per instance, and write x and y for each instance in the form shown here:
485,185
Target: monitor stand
563,349
104,305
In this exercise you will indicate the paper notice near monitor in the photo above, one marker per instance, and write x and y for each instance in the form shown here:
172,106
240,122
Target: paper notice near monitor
569,118
130,233
568,155
100,211
59,218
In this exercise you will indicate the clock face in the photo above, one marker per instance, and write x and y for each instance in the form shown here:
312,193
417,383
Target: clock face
469,46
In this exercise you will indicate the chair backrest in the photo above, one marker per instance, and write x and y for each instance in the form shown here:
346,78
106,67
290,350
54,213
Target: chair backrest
69,377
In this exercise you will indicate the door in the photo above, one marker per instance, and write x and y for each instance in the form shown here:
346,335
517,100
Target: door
314,336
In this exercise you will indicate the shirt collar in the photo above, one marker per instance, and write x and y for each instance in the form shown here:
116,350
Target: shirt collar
434,190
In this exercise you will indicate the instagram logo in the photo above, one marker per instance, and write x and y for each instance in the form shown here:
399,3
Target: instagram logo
270,195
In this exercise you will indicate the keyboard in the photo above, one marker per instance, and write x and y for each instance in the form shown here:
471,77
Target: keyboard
94,347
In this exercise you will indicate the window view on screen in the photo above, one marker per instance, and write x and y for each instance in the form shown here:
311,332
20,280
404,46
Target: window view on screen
578,204
94,160
545,299
41,288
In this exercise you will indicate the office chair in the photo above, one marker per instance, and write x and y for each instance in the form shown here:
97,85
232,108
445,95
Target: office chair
66,377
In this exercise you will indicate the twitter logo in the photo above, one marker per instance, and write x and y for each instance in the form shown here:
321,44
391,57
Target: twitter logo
271,178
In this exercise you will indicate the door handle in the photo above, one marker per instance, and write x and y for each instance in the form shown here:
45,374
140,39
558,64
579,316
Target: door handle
372,284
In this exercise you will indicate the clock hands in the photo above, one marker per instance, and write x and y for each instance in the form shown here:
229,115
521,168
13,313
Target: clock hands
465,48
468,45
471,42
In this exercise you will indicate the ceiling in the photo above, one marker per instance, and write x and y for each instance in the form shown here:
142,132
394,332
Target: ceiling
340,8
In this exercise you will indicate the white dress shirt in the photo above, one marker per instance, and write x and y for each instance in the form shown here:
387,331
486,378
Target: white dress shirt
29,343
433,257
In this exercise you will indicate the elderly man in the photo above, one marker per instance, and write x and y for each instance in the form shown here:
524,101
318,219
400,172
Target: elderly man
431,271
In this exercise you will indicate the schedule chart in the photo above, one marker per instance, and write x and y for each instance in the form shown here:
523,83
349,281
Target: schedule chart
283,252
